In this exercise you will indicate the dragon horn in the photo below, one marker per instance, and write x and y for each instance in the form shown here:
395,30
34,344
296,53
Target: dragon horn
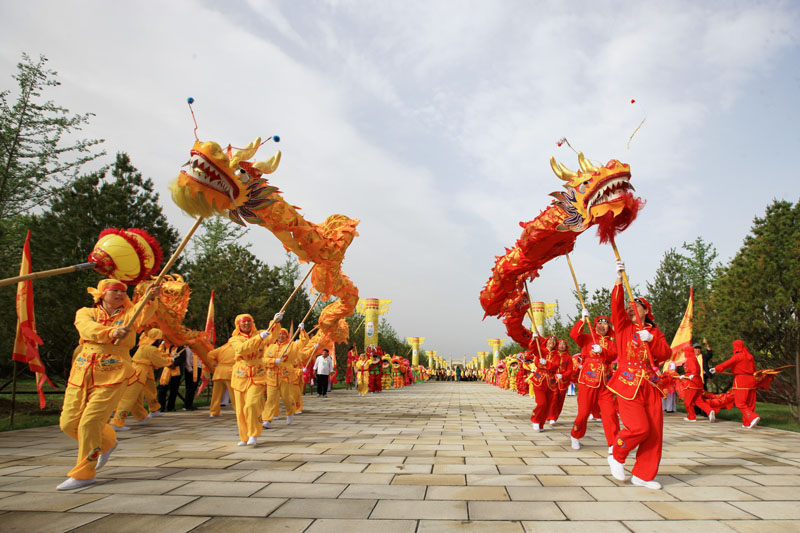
561,171
586,166
245,153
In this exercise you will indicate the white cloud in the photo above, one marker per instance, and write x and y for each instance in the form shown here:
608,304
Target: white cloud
433,122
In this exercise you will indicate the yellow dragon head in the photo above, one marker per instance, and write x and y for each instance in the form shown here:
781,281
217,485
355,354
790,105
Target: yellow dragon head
592,192
224,182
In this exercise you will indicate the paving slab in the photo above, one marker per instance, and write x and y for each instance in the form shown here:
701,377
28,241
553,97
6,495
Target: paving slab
432,457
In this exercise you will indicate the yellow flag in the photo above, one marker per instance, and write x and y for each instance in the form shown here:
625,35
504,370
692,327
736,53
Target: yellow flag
683,337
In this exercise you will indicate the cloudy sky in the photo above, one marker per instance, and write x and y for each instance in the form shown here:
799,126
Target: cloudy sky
433,122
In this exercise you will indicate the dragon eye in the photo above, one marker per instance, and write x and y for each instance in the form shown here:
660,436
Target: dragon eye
242,174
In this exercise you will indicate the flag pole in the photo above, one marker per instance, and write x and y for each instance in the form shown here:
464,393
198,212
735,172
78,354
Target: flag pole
533,320
13,394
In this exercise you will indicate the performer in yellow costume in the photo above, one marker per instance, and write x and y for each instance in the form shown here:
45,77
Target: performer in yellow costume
296,380
98,377
146,358
362,374
223,359
279,359
247,379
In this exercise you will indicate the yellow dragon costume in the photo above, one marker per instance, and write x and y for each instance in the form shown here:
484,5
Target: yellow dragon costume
225,182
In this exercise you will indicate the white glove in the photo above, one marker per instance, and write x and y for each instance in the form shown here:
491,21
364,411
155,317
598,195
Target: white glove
645,335
672,366
690,376
596,348
542,361
264,334
585,314
278,361
278,317
558,376
620,268
535,333
712,370
301,326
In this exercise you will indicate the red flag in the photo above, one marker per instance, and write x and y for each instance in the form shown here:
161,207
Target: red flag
211,329
27,341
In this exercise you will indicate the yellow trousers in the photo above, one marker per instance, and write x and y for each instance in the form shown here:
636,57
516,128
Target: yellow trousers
248,407
151,395
131,404
216,395
297,396
274,395
84,417
363,384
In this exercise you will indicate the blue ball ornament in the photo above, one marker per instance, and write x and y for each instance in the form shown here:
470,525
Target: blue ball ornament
276,138
190,100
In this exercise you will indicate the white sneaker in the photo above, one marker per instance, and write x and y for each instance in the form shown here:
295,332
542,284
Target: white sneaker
241,443
299,413
156,413
213,416
655,485
617,469
289,420
103,458
120,428
146,419
551,422
576,443
252,441
71,483
754,422
266,424
712,416
537,427
610,450
591,416
687,420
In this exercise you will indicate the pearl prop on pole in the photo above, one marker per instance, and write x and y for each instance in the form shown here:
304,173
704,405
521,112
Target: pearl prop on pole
128,255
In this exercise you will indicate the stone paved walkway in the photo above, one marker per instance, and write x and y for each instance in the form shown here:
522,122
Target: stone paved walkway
432,457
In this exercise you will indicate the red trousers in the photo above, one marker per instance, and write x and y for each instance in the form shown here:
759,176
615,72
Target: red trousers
643,419
692,397
544,397
745,401
374,383
557,404
589,400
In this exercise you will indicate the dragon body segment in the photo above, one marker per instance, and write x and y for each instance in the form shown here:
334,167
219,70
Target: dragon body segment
599,196
227,183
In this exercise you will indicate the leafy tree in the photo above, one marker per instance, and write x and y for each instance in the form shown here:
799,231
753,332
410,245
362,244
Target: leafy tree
35,158
668,293
115,196
755,297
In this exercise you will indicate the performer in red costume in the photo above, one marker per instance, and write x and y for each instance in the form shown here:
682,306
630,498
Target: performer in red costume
640,349
374,369
546,361
693,388
352,357
563,375
742,366
597,353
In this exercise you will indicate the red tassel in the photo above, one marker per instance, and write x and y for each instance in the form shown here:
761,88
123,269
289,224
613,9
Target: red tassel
608,226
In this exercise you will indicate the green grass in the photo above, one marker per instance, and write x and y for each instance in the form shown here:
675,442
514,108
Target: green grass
772,415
